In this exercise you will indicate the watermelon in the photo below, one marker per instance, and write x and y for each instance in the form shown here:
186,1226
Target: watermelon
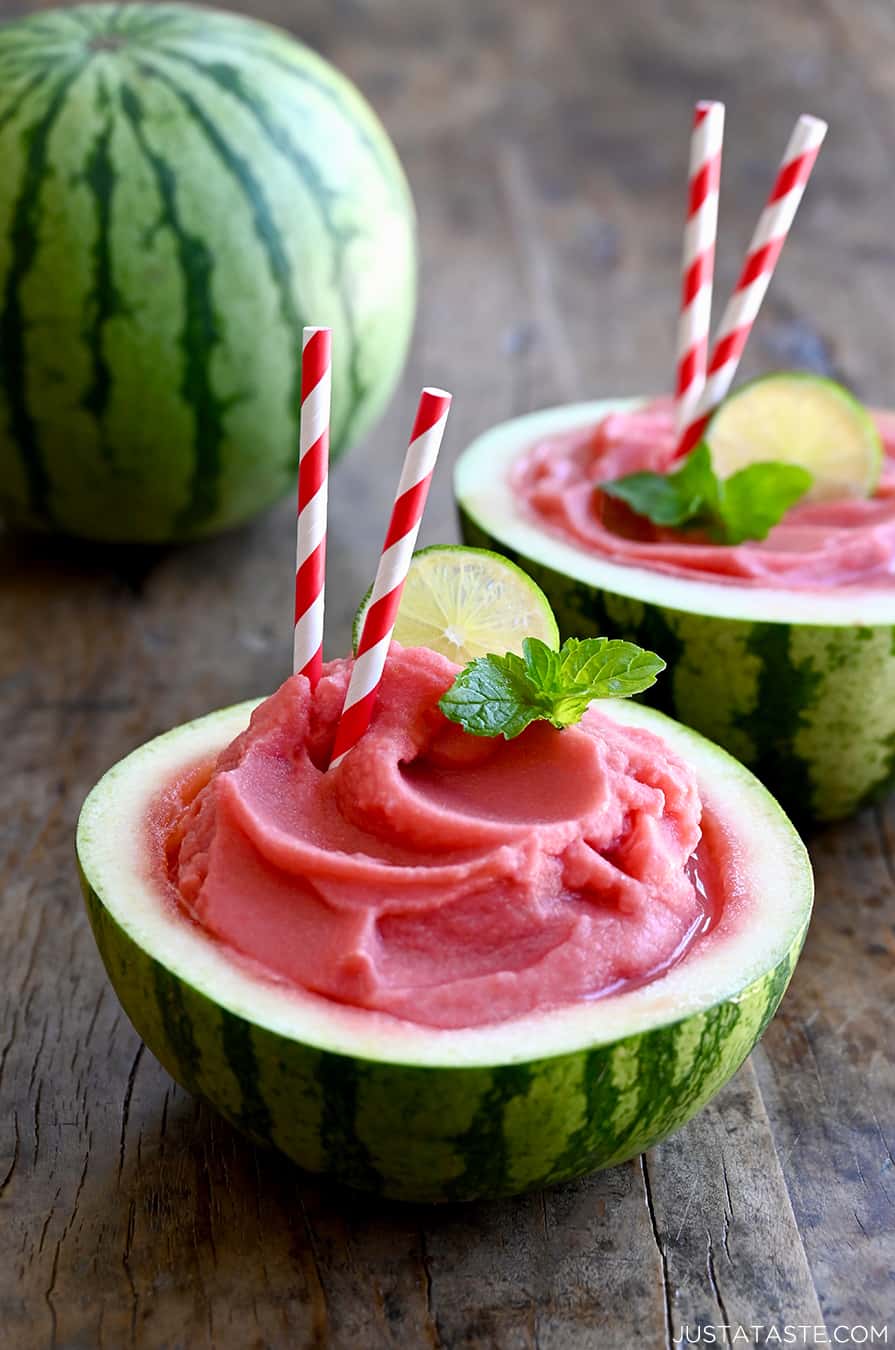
181,191
420,1114
797,685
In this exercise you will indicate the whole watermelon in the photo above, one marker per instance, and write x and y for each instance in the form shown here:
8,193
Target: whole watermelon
181,190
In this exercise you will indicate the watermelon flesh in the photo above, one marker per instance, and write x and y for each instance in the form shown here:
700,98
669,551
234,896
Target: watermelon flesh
819,544
423,1112
448,879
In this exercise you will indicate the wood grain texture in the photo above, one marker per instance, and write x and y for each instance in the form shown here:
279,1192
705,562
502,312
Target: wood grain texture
546,146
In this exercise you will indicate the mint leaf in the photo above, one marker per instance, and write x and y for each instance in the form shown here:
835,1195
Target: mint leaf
756,498
502,695
745,506
608,667
671,498
541,662
491,697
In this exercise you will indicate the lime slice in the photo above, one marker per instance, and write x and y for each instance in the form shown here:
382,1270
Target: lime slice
799,419
467,602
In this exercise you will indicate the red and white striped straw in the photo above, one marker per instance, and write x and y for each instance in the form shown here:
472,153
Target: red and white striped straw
394,562
761,259
698,267
313,471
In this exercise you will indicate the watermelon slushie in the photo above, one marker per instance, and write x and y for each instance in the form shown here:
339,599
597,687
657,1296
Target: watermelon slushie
444,878
781,649
847,541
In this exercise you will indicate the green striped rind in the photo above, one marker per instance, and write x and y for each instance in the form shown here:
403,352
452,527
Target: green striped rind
181,191
808,707
435,1133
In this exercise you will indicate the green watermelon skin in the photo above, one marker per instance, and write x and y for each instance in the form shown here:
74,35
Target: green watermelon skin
182,191
808,708
422,1133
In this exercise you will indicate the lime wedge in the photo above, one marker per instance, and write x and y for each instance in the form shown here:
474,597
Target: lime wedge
799,419
467,602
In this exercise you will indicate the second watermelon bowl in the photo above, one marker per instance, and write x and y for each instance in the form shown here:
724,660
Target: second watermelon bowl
798,686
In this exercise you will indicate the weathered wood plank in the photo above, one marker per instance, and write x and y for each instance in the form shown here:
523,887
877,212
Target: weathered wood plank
827,1074
731,1249
558,1266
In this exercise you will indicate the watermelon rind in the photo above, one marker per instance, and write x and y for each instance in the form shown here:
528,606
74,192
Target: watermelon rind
419,1114
797,684
181,191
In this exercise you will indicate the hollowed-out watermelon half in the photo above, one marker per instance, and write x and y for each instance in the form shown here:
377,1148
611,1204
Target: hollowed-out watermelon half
797,685
421,1114
181,190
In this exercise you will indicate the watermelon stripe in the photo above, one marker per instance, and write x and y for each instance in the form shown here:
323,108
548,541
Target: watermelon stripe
264,225
776,988
483,1145
13,320
601,1101
228,81
105,300
200,330
380,148
785,688
16,106
130,19
872,792
127,20
345,1150
236,1040
21,54
181,1051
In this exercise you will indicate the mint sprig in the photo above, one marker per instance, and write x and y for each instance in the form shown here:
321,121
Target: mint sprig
502,695
730,510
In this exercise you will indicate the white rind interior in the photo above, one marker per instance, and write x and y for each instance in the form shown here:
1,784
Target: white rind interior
481,484
112,850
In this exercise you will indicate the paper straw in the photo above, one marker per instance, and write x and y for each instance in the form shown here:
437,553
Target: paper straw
698,264
313,470
761,259
394,562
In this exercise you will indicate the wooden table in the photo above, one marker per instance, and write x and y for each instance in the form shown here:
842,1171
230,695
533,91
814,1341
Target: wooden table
546,145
